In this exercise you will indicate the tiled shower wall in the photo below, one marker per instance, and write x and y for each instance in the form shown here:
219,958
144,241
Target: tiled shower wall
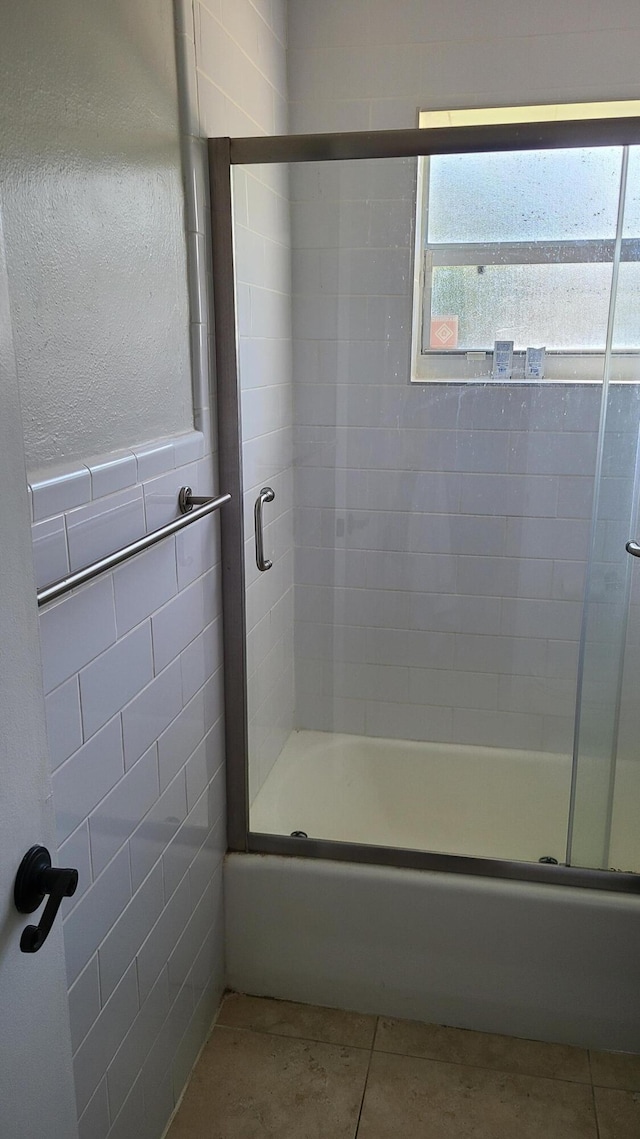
240,85
132,667
441,533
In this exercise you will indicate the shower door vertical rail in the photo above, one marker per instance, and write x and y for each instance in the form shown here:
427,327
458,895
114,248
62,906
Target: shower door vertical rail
225,390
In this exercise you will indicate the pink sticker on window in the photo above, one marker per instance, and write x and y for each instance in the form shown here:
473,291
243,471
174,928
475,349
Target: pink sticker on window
444,332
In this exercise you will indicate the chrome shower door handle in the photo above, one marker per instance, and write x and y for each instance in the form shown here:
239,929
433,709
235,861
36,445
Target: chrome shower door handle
266,495
633,548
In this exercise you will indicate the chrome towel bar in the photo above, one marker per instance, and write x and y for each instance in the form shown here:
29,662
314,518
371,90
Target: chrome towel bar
192,506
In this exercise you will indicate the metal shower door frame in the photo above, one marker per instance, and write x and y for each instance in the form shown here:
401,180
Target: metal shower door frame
223,154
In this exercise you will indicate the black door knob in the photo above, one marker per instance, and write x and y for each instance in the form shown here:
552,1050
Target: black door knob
35,879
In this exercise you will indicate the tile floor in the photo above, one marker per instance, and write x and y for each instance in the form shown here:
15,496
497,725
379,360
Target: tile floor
292,1071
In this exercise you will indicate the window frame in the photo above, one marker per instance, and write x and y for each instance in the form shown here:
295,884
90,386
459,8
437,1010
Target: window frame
472,365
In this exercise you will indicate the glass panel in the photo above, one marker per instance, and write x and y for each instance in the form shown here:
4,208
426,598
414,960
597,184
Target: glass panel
605,830
413,651
537,195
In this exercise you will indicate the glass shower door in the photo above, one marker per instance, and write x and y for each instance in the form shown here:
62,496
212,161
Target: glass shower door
604,830
413,648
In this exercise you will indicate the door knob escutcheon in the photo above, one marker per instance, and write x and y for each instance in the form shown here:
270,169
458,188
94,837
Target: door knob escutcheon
35,879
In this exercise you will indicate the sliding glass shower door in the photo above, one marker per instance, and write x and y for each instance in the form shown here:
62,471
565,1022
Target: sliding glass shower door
425,513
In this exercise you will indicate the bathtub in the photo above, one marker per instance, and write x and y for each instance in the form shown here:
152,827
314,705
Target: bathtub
541,961
487,802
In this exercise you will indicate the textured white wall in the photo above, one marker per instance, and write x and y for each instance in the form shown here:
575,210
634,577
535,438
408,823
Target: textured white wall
94,224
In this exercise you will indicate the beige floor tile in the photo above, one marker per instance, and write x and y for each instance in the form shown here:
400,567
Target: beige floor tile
426,1099
616,1070
618,1113
284,1018
250,1085
483,1050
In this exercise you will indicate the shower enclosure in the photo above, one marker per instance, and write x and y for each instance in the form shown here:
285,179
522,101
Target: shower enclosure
432,620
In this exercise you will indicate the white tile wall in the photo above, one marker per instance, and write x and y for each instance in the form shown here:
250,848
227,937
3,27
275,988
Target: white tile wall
439,531
127,739
236,59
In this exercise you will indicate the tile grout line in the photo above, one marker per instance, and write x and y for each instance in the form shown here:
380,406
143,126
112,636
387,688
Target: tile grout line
288,1036
366,1079
593,1095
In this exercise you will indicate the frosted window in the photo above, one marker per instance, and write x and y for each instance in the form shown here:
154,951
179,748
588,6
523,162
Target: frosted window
539,195
562,306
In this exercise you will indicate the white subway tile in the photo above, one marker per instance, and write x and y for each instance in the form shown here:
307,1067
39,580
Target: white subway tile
525,656
562,659
197,550
119,813
330,714
96,913
535,495
132,1117
208,861
113,472
188,448
154,459
151,712
102,527
417,648
50,555
164,1048
74,630
180,853
541,695
566,538
569,580
497,729
505,577
408,721
201,658
206,760
115,677
449,687
135,1046
180,739
144,584
522,617
162,939
125,937
189,943
64,723
83,780
575,496
156,830
552,453
183,618
161,495
84,1002
94,1123
100,1045
58,489
75,852
557,734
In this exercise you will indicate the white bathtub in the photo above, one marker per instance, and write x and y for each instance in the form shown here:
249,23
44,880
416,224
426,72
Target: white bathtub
488,802
543,962
547,962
